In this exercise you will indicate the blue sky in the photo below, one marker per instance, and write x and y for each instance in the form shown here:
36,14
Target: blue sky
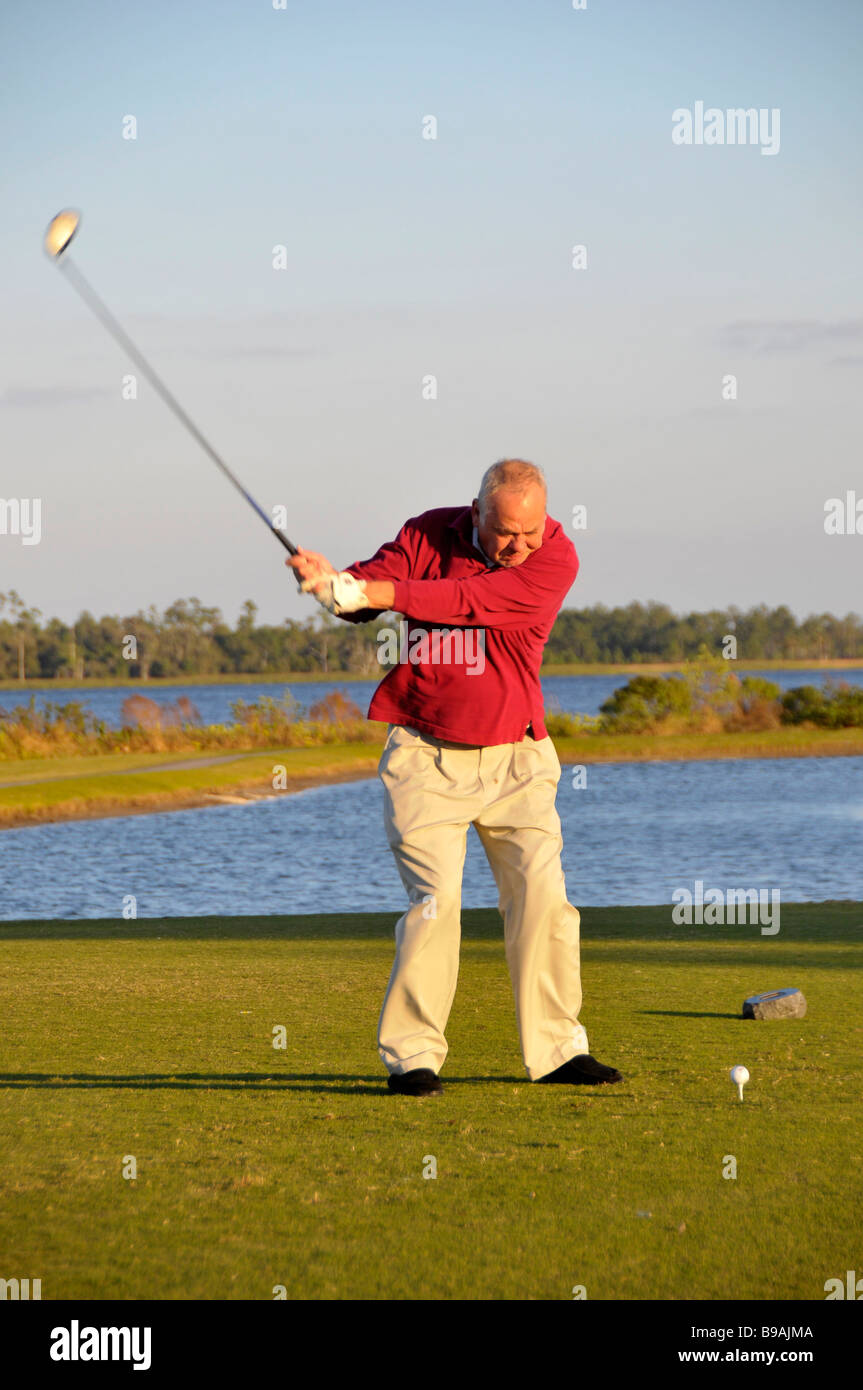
406,257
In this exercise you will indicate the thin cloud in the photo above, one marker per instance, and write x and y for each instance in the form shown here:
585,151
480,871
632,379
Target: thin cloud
26,397
223,338
852,360
295,354
765,337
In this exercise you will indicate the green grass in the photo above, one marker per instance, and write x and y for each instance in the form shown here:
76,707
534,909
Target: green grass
791,741
559,668
599,668
24,770
157,683
259,1167
124,782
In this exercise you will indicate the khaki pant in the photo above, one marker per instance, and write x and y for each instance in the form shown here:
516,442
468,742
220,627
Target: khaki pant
433,791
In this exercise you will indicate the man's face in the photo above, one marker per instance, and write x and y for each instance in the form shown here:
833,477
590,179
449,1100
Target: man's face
511,527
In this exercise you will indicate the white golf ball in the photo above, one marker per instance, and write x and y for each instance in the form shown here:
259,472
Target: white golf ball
739,1075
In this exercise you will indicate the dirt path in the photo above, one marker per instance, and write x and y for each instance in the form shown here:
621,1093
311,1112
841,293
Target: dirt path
152,767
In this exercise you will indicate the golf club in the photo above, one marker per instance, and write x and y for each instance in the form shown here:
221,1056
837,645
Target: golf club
60,232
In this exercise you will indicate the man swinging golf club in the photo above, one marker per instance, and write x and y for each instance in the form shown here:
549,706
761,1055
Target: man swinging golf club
467,745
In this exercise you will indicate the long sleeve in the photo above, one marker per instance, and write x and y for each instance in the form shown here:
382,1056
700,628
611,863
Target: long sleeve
500,598
394,560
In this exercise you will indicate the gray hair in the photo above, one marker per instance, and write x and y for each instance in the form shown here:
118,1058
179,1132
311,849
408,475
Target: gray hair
512,475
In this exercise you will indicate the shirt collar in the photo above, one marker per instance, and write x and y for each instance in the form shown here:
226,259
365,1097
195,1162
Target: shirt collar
476,545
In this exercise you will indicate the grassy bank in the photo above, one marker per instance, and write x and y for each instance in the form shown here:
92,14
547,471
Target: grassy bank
595,668
574,668
788,742
38,790
130,784
155,684
259,1167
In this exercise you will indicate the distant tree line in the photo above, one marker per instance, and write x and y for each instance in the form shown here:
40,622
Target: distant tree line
189,639
643,632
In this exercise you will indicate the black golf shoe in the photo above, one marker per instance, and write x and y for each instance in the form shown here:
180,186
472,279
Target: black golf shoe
420,1082
583,1070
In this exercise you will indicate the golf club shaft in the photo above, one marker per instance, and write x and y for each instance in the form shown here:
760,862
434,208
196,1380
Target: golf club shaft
92,300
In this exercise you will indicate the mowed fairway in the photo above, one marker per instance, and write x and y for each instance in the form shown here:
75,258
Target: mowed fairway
259,1167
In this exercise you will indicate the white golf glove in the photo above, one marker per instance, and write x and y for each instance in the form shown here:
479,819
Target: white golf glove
339,593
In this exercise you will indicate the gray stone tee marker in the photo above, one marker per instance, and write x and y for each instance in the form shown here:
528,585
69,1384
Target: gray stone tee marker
778,1003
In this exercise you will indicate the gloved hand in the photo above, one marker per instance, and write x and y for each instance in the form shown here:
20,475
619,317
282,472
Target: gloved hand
338,593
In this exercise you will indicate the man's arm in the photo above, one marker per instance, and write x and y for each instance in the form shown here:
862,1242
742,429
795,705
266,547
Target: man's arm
392,561
501,598
380,594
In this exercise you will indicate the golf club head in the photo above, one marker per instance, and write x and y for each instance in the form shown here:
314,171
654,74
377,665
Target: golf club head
61,230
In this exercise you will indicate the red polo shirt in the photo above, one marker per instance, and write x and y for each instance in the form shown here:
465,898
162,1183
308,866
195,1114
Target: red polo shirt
489,692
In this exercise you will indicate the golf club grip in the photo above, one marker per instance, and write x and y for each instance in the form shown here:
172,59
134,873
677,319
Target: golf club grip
289,545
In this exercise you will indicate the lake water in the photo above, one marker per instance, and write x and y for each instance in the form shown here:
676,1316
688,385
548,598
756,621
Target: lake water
632,835
572,694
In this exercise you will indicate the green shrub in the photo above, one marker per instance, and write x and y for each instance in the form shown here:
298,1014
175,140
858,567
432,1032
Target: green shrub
835,707
805,704
645,701
756,688
559,725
